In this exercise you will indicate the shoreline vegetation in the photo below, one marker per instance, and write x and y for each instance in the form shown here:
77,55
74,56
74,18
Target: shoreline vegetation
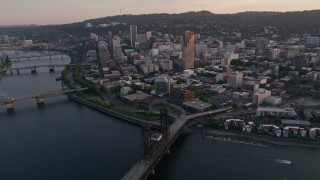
255,137
127,117
72,79
6,64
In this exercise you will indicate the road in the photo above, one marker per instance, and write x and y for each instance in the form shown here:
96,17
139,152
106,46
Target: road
182,112
140,168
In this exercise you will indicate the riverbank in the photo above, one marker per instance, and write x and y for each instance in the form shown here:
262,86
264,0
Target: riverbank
261,138
110,112
5,65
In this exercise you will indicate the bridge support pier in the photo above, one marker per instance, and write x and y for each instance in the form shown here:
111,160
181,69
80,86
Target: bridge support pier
51,68
40,100
33,70
9,106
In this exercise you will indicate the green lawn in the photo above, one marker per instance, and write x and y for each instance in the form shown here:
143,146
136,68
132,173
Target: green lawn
163,106
143,116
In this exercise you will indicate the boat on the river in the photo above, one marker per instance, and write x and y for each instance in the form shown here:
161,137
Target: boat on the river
282,161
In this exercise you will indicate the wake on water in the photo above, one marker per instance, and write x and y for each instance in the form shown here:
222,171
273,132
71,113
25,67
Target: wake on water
282,161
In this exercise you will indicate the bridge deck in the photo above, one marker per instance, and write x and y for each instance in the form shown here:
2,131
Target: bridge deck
17,56
139,170
38,66
41,94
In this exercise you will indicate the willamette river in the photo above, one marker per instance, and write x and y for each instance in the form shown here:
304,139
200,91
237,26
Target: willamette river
66,140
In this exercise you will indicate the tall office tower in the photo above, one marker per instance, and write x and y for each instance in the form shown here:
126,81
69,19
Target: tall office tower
103,52
115,41
117,48
188,56
118,52
262,44
5,39
312,41
274,53
235,79
109,36
148,34
133,35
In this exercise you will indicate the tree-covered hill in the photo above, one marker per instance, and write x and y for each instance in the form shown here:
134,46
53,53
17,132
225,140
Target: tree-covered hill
203,22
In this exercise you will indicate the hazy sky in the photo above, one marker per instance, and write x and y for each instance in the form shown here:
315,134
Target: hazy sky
66,11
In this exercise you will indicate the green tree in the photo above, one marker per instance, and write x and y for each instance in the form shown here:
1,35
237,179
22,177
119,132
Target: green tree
277,121
295,81
235,106
317,85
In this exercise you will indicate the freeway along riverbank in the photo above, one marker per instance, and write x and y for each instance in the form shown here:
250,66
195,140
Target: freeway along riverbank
261,138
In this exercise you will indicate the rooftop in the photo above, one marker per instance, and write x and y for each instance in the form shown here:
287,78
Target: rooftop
161,79
197,104
272,109
139,95
295,122
261,91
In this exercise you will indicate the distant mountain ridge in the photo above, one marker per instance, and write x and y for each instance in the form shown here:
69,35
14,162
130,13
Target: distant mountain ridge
295,21
202,22
258,13
194,14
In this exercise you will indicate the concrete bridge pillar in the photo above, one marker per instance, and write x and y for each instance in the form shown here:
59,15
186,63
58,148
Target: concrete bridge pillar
34,69
9,105
51,68
40,100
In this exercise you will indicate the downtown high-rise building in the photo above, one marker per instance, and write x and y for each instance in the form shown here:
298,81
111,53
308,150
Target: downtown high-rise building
235,79
274,53
188,53
133,35
104,52
262,43
117,48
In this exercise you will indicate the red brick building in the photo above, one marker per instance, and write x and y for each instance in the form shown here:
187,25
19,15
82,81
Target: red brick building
181,95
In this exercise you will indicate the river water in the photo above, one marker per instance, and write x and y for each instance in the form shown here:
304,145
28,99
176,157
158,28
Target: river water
63,139
66,140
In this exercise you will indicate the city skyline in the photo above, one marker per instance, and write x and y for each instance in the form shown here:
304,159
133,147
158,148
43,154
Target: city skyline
16,12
